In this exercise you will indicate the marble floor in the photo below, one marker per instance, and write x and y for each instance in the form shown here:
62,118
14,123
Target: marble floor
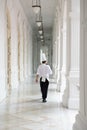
23,110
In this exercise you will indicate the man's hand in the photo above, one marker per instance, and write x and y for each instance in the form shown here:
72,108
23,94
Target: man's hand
37,78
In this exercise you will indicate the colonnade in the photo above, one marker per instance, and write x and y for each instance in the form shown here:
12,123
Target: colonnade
70,38
81,118
67,43
69,52
15,46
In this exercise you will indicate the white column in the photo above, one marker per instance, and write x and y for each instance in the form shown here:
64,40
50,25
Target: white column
66,91
74,63
26,54
60,46
54,59
21,51
3,50
14,48
81,118
71,95
54,44
24,50
59,50
30,48
35,55
59,59
64,50
57,45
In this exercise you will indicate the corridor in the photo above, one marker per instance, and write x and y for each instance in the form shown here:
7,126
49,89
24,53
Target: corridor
23,110
30,29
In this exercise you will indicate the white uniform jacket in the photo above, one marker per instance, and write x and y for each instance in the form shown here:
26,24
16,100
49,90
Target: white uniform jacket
44,71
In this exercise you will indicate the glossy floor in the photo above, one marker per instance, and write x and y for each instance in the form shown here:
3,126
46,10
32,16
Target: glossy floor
24,110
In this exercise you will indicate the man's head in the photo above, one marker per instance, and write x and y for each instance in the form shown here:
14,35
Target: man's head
44,60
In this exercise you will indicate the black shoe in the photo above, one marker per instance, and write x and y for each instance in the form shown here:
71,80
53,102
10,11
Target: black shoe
44,100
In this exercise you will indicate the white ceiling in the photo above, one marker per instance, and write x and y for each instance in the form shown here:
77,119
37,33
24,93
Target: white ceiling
48,8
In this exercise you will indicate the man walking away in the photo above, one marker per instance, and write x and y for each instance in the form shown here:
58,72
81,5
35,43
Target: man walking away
43,72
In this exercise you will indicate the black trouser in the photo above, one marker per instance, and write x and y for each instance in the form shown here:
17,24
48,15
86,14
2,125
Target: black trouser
44,88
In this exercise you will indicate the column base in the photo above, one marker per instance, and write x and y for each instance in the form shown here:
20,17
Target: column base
81,123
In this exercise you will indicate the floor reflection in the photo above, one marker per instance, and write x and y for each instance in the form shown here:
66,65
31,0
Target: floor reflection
23,110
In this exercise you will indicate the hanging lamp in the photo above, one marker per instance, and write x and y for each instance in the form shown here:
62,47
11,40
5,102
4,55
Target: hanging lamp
36,6
39,18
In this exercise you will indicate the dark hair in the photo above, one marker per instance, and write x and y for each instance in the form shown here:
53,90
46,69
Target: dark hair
44,61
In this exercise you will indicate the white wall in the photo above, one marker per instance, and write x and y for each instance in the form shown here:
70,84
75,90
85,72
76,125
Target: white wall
17,15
